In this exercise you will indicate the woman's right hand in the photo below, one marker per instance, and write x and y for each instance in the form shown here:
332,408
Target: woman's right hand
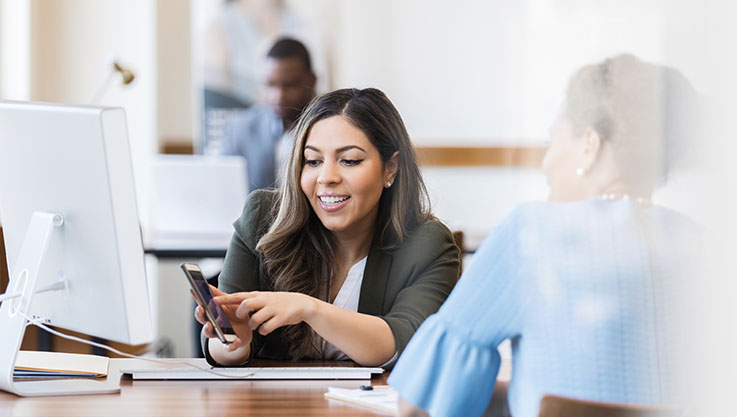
236,352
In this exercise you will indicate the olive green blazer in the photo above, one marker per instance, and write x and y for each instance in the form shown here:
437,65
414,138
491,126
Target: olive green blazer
403,286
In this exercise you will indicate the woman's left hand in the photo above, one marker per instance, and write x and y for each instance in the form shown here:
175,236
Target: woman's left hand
270,310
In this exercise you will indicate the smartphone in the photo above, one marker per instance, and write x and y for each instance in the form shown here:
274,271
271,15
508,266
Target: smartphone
213,312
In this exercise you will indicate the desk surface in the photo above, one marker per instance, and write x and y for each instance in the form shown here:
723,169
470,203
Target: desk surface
207,398
196,398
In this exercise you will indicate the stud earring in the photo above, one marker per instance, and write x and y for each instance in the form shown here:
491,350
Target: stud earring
580,172
388,184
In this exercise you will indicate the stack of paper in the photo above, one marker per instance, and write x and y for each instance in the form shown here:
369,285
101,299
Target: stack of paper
382,399
30,364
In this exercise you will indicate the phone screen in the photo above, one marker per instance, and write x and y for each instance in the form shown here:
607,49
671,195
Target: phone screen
202,290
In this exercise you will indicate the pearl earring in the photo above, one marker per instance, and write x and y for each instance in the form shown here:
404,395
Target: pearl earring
580,172
388,184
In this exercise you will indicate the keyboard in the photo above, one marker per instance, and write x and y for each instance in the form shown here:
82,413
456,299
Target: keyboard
284,373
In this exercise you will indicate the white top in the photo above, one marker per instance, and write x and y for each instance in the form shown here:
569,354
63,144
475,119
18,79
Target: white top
347,298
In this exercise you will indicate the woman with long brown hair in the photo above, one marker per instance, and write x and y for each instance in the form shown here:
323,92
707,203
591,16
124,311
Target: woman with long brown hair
345,261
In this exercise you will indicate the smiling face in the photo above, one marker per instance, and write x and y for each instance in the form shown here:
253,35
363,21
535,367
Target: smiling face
343,177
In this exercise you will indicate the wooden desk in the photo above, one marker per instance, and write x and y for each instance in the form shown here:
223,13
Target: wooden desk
197,398
211,398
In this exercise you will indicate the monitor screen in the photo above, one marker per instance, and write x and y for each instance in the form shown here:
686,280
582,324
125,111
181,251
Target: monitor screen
76,161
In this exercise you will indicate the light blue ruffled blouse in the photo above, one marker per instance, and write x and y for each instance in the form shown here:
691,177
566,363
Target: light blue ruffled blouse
588,292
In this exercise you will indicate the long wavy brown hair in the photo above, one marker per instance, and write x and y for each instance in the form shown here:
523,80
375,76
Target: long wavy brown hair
298,252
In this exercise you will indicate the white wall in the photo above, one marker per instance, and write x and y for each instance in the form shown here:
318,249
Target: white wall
485,72
15,56
474,199
73,44
174,89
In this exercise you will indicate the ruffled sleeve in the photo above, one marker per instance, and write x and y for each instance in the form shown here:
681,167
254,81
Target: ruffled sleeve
450,366
441,364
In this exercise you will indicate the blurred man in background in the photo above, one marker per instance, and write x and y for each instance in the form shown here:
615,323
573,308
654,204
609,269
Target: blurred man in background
262,134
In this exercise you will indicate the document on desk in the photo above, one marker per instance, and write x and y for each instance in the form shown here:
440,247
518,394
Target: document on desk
304,373
32,364
382,399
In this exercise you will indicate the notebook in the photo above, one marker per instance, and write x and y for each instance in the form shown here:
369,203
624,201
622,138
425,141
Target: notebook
31,364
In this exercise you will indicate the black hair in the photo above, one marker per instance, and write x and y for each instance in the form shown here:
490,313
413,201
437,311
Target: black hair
291,48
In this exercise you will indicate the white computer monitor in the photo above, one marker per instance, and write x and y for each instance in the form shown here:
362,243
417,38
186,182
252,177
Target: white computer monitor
68,210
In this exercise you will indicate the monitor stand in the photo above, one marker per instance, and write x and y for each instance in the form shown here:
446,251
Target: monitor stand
13,322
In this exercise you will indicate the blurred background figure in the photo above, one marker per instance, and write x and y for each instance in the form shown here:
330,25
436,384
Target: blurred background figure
262,133
233,70
235,44
590,287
